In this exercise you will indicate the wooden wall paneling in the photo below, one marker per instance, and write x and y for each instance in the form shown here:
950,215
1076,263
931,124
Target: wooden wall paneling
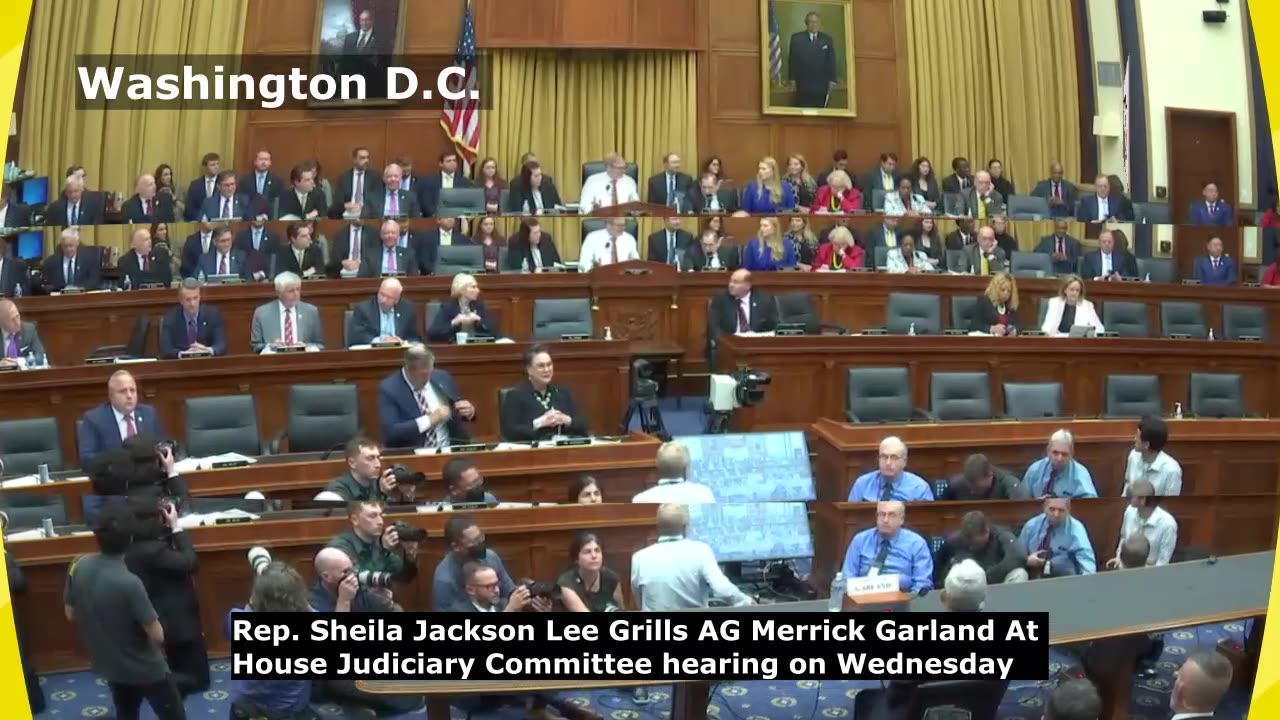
432,28
283,27
515,23
665,23
595,24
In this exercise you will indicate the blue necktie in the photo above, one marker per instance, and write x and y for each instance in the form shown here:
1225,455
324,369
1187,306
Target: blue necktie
262,180
671,248
388,324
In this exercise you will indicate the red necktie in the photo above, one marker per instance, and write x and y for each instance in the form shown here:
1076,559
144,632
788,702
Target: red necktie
395,203
226,208
743,324
222,267
149,207
1057,190
129,428
288,327
1060,250
613,251
391,260
146,263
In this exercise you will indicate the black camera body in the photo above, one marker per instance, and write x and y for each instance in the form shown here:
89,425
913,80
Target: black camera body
407,532
542,589
750,386
405,476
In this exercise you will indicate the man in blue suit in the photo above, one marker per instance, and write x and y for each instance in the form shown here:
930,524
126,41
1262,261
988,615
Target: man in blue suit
203,187
1216,268
191,325
223,258
107,426
430,185
419,406
227,204
1104,205
1211,211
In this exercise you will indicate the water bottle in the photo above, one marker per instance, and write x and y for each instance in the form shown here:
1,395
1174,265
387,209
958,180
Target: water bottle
1148,278
911,330
201,278
1210,333
1177,410
835,603
128,284
31,360
524,265
17,290
42,472
46,527
608,332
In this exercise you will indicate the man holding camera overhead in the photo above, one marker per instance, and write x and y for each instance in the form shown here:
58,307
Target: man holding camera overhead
366,478
377,548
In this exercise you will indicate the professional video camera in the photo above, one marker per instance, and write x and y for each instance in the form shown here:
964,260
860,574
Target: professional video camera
259,559
644,401
370,579
743,388
407,532
405,476
542,589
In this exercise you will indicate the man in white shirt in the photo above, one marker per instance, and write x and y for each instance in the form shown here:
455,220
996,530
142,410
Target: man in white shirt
673,485
1144,516
1148,460
609,188
1200,684
611,245
675,572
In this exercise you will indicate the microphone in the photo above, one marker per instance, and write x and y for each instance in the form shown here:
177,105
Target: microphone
329,453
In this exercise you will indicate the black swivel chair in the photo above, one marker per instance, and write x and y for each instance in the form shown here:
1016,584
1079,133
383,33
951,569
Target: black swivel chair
1126,319
1244,321
924,310
960,396
322,417
223,424
880,395
796,308
27,444
1179,317
554,317
963,308
1032,401
1131,396
1216,395
136,347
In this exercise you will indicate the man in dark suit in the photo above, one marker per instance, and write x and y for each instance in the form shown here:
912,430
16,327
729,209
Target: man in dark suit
18,339
203,187
197,245
709,254
811,64
261,186
71,265
13,214
258,243
299,255
144,265
224,259
709,197
983,201
385,317
1061,195
883,234
1213,210
670,186
76,207
1215,268
447,177
446,233
192,325
108,425
389,257
961,178
1103,205
347,247
15,278
303,200
671,244
1108,262
228,204
963,236
390,200
354,185
883,177
986,247
739,308
1064,249
419,406
1200,684
146,206
363,53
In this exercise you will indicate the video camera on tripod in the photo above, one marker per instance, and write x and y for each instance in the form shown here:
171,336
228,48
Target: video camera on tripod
727,393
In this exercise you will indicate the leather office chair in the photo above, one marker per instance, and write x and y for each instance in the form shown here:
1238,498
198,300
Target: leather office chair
553,318
455,202
1216,395
960,396
321,417
27,511
922,309
1042,312
1032,401
502,401
797,308
1131,396
879,395
597,166
25,445
954,204
1182,318
877,200
1160,270
136,347
1146,213
429,314
880,257
454,259
963,308
1031,264
348,326
1239,321
1027,207
956,261
223,424
590,225
1126,319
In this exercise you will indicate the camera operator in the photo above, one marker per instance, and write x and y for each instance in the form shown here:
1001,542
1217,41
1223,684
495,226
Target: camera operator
277,588
374,546
589,586
142,467
118,624
165,561
18,586
466,544
366,479
465,484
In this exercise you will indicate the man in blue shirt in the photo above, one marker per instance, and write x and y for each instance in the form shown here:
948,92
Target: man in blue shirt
890,549
1056,543
466,544
1058,474
891,481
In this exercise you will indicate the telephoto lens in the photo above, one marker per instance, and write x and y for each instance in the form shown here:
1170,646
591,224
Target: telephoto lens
409,533
405,476
259,559
374,579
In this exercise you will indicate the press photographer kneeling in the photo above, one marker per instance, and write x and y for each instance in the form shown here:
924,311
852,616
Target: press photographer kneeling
388,553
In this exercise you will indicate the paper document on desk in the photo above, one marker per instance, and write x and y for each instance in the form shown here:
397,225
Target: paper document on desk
207,463
268,350
36,534
198,520
21,482
750,334
134,361
979,333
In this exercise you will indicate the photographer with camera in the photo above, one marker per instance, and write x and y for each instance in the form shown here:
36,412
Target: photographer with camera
367,479
589,586
466,544
374,546
164,559
465,484
142,467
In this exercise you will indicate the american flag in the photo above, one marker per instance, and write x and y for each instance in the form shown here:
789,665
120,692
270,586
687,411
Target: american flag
775,45
1125,120
461,118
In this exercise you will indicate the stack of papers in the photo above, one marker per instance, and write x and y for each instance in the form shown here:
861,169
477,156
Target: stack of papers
197,519
207,463
21,482
37,534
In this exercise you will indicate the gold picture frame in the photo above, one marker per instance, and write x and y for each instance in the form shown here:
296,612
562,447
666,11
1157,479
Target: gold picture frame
335,40
828,58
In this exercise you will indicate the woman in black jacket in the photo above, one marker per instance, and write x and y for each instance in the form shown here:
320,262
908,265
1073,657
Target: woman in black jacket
464,312
531,249
997,309
537,409
163,558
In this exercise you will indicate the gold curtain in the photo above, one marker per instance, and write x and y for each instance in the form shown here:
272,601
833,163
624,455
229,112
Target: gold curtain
116,146
569,108
995,79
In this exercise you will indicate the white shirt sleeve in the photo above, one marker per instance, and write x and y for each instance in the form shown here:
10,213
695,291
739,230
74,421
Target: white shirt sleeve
632,250
717,582
1168,537
627,190
592,190
1174,484
424,424
591,247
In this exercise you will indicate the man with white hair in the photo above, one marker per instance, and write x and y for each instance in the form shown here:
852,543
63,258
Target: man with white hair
891,481
609,188
890,549
393,201
965,588
76,207
18,339
384,318
1057,544
70,266
608,246
983,201
146,206
1058,473
677,573
286,321
390,258
144,265
673,483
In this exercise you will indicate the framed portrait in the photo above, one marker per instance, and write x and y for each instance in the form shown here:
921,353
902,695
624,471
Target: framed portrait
359,37
806,58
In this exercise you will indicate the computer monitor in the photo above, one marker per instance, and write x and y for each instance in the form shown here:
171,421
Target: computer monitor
749,532
752,467
35,191
30,245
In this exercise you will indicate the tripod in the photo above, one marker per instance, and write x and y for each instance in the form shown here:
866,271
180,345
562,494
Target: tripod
717,421
650,417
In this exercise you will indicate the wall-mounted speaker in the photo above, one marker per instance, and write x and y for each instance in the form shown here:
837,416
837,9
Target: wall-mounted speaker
1215,17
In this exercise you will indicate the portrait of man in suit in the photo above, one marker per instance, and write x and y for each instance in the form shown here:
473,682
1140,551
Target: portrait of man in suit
359,37
806,57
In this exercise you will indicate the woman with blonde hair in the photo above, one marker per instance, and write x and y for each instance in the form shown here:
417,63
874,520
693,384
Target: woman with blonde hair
768,193
840,254
769,249
464,312
805,241
838,196
997,310
1070,309
801,182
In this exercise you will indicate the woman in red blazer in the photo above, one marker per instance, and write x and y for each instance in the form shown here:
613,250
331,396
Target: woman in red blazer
839,254
838,196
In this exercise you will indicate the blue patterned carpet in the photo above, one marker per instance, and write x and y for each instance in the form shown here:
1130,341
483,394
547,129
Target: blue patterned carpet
80,695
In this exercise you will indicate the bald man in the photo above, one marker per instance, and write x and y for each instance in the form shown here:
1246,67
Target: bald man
385,317
142,264
741,308
18,339
108,425
891,481
146,206
890,549
1200,684
391,200
1060,194
983,201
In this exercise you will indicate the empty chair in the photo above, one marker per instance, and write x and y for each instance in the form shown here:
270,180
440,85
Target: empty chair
553,318
1216,395
1151,213
1031,401
796,308
880,257
1027,207
503,392
1126,319
1131,396
1043,312
137,346
460,201
1244,321
924,310
879,394
25,445
1031,264
877,200
321,418
28,511
454,259
1178,317
429,314
223,424
953,204
963,308
1160,270
347,316
960,396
